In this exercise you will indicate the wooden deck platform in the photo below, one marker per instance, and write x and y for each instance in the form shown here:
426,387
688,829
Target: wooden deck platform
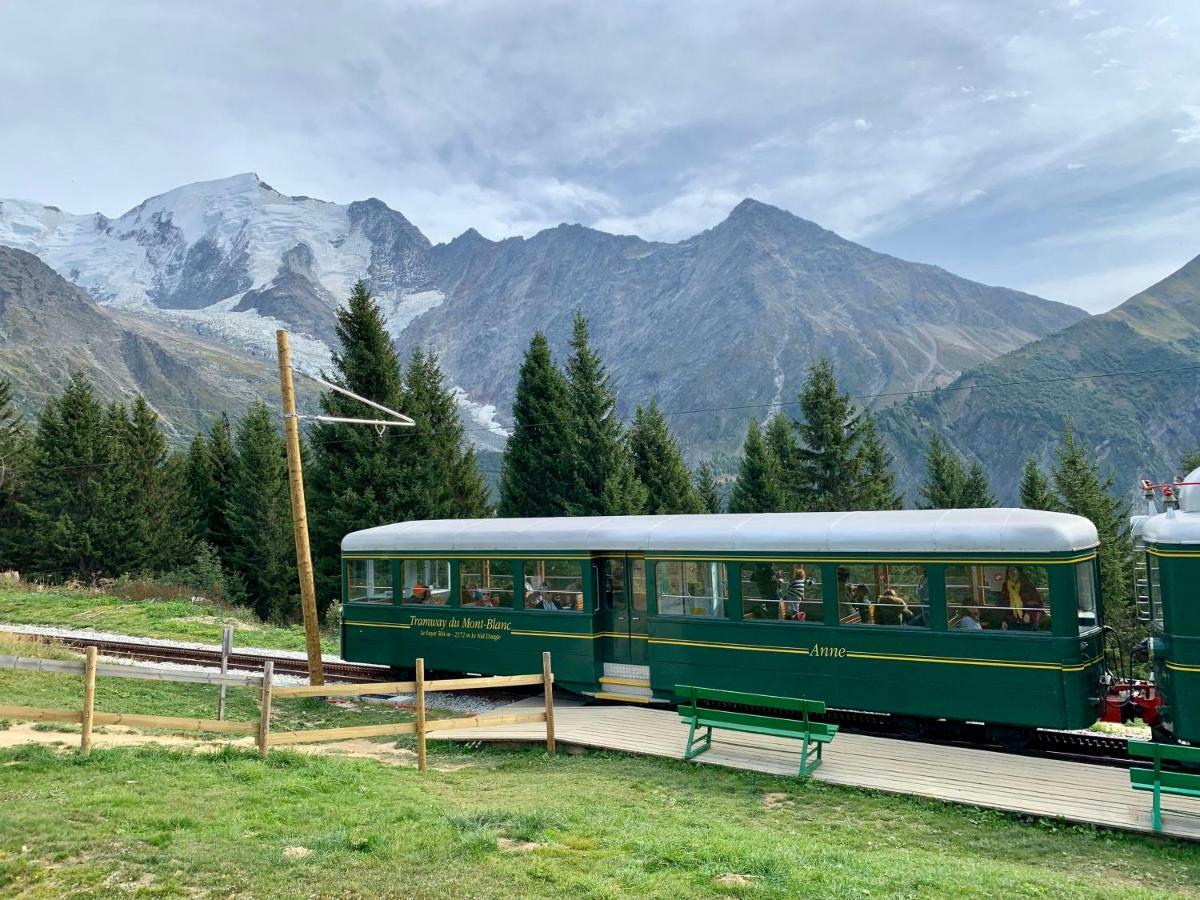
1075,792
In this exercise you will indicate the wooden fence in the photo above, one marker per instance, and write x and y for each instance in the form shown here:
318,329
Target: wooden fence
87,717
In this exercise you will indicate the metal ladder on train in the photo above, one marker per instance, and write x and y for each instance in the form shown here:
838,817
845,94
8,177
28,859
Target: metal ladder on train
1141,587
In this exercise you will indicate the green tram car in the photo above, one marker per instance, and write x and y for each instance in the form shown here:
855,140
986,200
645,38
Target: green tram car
1171,542
984,615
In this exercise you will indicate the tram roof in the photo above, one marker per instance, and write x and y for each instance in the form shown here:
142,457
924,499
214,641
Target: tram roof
895,531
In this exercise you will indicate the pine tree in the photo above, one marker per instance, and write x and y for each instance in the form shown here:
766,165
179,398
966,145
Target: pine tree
358,478
876,479
148,485
259,513
600,456
536,477
780,435
706,487
440,464
759,487
207,472
14,462
945,477
1190,462
658,464
829,430
1035,490
72,452
1085,492
624,494
976,492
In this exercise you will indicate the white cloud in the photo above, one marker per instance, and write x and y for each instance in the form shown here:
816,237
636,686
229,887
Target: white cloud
651,118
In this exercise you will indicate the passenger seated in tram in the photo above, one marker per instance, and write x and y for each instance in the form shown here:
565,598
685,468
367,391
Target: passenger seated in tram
967,619
1022,603
857,607
420,594
890,609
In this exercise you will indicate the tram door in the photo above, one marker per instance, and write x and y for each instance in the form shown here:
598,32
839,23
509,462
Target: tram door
621,587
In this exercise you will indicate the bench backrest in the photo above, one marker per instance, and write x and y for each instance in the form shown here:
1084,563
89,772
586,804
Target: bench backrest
798,727
1159,752
692,694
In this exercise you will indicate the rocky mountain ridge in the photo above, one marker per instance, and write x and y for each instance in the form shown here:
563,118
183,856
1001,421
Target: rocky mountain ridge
50,328
728,318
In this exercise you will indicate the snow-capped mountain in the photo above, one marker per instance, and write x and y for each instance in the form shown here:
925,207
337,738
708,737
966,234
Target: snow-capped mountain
730,317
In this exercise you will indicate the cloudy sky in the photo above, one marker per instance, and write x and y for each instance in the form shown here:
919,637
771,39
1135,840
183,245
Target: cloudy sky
1050,146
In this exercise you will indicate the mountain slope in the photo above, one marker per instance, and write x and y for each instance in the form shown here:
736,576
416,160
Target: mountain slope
50,328
729,318
1139,425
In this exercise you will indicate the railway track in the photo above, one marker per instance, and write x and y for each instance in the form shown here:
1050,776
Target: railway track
239,660
1079,746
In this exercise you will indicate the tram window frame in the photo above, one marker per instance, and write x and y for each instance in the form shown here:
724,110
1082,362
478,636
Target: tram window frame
714,587
439,594
373,565
778,608
1154,584
1085,575
992,615
492,572
573,597
856,596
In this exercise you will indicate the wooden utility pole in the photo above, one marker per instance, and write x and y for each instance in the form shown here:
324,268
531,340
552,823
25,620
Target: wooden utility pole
308,590
89,701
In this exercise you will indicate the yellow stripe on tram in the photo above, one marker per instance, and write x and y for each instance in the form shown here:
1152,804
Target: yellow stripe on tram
1179,668
380,624
799,650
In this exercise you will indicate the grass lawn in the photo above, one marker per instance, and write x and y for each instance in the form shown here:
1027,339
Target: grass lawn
494,823
180,620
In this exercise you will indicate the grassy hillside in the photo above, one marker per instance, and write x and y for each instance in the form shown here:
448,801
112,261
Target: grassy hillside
1139,425
179,619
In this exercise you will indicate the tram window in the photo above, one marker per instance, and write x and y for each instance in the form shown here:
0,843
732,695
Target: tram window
998,598
787,591
692,588
1156,597
553,585
369,581
486,582
1085,594
883,594
426,581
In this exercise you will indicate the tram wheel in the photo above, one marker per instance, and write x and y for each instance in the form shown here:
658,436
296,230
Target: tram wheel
1010,737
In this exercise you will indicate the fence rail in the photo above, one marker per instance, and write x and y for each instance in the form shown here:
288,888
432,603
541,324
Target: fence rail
422,726
90,669
116,670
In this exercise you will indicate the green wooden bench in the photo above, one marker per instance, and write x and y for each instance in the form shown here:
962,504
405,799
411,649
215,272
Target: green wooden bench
1160,781
814,734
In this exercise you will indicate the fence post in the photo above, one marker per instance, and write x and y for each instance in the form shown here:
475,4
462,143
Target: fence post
226,649
89,701
264,709
548,682
421,715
